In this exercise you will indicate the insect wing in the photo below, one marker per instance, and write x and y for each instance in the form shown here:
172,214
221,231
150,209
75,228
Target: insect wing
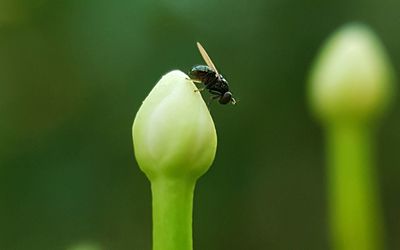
206,58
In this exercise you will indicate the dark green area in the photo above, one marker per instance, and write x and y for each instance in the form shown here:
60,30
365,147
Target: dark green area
74,73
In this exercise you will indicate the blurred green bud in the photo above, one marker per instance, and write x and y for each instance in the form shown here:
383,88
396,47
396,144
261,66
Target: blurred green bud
352,78
85,246
173,132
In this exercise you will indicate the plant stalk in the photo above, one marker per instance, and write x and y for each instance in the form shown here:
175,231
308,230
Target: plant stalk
355,212
172,214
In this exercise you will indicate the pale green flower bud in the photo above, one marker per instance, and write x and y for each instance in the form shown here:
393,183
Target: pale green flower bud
352,78
350,86
173,132
85,246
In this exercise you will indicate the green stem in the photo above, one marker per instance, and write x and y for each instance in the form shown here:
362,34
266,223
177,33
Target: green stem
172,214
356,221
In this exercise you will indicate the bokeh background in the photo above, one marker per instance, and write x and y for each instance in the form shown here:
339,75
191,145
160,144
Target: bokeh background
74,73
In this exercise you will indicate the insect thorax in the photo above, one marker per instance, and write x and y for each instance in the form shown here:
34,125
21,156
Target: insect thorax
201,71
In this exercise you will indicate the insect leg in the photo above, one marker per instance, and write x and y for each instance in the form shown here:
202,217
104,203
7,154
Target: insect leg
194,80
199,90
215,92
212,98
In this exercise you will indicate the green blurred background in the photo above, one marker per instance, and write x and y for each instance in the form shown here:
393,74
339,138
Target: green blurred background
74,73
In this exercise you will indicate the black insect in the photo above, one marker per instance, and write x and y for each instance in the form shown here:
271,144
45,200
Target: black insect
214,82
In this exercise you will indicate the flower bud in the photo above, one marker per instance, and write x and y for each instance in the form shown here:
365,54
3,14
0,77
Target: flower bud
173,132
352,78
85,246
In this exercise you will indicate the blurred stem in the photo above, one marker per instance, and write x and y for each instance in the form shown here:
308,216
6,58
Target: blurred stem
356,221
172,214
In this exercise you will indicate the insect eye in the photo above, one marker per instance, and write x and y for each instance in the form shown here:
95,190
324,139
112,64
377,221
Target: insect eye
226,98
